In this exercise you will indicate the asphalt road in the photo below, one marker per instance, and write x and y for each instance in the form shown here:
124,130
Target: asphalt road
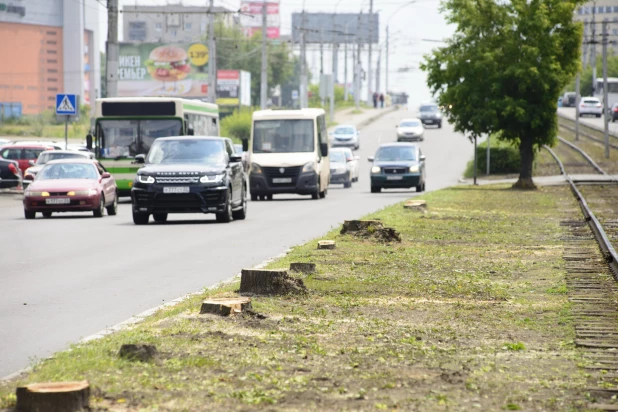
588,120
70,276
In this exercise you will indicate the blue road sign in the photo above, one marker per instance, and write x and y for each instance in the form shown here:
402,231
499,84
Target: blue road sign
66,104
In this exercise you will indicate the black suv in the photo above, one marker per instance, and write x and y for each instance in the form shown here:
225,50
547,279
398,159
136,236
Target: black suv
190,174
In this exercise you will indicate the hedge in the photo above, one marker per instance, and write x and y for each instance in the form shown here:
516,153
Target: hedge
504,159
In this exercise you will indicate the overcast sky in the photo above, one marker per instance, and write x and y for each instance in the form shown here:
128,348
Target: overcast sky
408,25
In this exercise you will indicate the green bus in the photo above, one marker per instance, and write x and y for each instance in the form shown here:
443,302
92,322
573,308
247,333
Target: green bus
125,127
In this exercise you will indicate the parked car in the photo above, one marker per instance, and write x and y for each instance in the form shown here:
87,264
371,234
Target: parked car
10,174
430,114
398,165
569,99
190,174
340,169
613,113
245,156
345,136
48,156
23,153
590,106
352,161
410,130
71,185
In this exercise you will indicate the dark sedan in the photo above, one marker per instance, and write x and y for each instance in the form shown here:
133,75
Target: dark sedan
398,165
10,174
190,174
71,185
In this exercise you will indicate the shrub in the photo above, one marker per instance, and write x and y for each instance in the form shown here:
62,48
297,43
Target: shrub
237,126
504,159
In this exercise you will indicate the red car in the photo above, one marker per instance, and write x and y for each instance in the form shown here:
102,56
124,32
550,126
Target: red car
71,185
23,153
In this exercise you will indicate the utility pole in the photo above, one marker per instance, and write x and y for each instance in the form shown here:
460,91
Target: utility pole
212,56
577,99
345,65
357,67
322,50
369,54
378,70
331,86
111,53
585,47
386,74
593,54
264,72
605,112
303,67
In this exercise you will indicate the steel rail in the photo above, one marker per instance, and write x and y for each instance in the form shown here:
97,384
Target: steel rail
572,129
581,152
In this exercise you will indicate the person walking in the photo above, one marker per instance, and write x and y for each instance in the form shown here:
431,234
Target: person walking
382,100
375,100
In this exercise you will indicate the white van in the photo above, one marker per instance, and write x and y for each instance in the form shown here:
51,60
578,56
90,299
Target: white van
288,152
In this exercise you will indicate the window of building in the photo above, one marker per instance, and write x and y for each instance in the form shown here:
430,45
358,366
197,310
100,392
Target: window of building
52,89
52,61
615,9
52,80
158,26
51,33
137,30
51,97
608,9
52,71
51,52
51,42
173,20
173,33
187,26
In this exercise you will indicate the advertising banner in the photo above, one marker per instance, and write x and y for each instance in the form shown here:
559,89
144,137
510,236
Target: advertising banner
153,69
228,87
251,17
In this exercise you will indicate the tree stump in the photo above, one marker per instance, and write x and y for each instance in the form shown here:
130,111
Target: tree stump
269,282
53,397
139,352
327,244
302,267
420,205
350,226
370,229
225,306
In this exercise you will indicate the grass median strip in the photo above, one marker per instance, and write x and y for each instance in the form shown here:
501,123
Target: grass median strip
468,311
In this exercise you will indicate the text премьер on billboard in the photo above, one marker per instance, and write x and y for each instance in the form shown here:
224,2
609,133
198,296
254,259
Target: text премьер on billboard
153,69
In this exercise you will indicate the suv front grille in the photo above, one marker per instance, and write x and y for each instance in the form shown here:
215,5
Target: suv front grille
177,180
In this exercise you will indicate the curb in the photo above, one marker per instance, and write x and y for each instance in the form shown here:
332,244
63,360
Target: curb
372,119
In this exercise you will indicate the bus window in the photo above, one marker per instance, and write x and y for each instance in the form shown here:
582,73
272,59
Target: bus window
152,129
118,138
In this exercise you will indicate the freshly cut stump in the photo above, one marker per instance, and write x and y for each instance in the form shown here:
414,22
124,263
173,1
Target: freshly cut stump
137,352
302,267
269,282
353,226
370,229
420,205
327,244
53,397
225,306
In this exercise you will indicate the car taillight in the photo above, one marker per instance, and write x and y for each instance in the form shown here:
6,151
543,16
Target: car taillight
13,169
599,105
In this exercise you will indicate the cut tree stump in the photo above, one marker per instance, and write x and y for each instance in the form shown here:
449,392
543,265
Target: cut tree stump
225,306
302,267
269,282
360,225
416,205
53,397
370,229
137,352
327,244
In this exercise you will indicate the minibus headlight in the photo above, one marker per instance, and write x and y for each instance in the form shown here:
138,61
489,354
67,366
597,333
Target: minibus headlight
309,167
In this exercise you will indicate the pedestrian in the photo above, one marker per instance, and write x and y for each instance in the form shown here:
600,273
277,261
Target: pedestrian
382,100
375,99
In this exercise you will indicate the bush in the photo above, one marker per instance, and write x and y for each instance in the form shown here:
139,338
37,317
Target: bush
504,159
237,126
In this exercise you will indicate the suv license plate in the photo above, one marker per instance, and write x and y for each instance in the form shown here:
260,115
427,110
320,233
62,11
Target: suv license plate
282,180
58,201
176,189
394,177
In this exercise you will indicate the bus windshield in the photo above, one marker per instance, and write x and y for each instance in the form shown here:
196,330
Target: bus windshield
125,138
283,136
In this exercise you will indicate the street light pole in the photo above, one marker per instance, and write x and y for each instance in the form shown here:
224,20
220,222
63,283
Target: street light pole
264,71
386,74
212,59
369,94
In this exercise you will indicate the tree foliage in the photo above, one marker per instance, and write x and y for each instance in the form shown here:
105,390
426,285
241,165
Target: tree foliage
504,68
585,85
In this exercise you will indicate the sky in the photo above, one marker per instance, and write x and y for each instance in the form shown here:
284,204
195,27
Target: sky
409,23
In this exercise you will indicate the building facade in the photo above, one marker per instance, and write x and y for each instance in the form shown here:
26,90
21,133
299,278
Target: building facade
597,12
169,24
48,47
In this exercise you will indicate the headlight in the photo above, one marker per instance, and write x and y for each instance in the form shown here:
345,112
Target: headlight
309,167
145,179
414,169
91,192
212,178
255,168
375,169
29,193
341,170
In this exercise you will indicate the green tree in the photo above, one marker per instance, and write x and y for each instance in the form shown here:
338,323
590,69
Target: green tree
504,68
586,76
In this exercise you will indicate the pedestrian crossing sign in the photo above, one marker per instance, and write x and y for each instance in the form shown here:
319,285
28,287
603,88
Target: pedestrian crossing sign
66,104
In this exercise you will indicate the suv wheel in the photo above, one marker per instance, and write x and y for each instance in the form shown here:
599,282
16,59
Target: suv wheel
241,214
376,189
226,217
140,218
98,212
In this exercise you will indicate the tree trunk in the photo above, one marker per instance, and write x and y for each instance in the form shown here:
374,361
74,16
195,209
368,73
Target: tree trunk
225,306
269,282
526,152
53,397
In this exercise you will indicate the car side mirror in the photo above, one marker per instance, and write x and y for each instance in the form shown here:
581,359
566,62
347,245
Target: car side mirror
235,158
140,158
31,162
370,158
190,132
245,145
422,158
324,149
106,175
89,141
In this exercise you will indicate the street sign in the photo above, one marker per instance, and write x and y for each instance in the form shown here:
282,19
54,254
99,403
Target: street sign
66,104
295,94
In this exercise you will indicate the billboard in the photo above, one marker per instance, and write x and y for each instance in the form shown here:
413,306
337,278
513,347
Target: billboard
251,17
232,89
336,28
154,69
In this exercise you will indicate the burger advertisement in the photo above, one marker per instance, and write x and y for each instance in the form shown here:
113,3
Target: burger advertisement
151,69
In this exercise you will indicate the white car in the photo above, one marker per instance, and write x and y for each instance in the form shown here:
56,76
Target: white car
352,161
342,167
410,130
590,106
345,136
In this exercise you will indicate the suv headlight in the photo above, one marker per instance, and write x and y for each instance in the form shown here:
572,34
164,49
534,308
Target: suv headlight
212,178
145,179
414,169
376,169
309,167
255,168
